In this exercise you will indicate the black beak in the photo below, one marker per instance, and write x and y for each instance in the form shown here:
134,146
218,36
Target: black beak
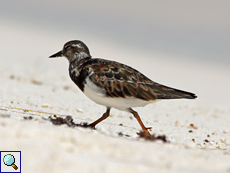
58,54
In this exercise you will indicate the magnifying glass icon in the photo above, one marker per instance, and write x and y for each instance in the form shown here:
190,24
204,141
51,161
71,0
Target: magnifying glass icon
9,160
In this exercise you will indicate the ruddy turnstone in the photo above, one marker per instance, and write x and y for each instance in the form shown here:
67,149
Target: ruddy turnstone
113,84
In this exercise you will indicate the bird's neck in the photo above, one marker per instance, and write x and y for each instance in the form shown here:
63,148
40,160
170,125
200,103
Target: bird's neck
77,64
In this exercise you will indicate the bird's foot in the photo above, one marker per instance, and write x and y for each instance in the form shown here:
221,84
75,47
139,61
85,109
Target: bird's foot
92,126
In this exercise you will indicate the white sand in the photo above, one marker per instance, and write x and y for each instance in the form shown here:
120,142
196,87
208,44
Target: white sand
33,85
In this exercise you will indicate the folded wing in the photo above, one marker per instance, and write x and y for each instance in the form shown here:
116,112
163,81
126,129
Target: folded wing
119,80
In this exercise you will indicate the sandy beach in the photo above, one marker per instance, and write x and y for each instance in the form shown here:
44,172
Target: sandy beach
34,88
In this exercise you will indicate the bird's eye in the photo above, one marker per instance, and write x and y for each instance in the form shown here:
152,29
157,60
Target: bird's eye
67,47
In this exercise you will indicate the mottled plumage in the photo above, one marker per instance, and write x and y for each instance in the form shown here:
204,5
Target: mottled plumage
119,80
114,84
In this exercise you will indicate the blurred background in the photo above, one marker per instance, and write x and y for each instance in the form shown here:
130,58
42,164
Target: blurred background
183,44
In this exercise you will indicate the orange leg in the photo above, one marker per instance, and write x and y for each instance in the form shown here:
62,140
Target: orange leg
104,116
135,114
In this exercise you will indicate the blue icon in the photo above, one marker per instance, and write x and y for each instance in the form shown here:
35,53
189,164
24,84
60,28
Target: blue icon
9,160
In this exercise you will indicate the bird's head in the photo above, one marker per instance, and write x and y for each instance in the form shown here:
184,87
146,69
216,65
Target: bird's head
73,50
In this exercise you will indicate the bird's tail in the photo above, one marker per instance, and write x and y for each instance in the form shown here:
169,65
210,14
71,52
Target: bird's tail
171,93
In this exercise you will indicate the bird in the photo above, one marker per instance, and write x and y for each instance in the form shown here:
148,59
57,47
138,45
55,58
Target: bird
113,84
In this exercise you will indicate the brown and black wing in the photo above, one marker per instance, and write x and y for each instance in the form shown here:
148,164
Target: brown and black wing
119,80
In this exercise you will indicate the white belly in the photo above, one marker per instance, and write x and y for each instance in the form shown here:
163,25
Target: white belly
98,95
